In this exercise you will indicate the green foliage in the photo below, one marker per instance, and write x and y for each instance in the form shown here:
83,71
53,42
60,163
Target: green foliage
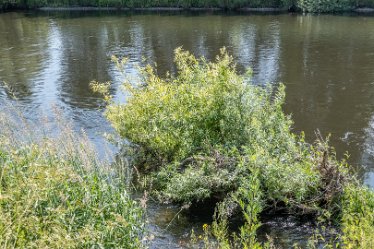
249,197
55,194
357,217
325,5
145,3
364,3
304,5
207,133
204,130
177,117
355,220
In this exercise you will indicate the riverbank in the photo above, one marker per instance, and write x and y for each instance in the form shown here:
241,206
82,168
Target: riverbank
179,9
208,5
160,9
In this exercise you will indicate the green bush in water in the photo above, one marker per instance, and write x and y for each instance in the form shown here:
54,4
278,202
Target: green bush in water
202,132
55,194
208,133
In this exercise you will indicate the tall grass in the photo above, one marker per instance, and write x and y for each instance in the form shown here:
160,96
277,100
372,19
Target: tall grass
55,193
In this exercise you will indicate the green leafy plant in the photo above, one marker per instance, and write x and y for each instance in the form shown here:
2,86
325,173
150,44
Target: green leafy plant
357,217
207,133
54,193
201,132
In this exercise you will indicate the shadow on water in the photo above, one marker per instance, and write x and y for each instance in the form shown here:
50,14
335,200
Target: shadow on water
171,226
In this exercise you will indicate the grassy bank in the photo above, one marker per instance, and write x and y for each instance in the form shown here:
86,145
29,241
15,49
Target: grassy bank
54,193
206,133
295,5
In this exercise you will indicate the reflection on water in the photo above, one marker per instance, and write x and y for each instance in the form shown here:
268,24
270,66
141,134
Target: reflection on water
326,62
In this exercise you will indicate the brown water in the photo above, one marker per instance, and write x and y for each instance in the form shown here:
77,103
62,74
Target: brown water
326,62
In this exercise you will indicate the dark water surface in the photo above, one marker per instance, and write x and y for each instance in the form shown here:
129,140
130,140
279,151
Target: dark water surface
326,62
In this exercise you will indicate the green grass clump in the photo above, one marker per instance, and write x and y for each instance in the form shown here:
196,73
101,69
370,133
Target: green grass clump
55,194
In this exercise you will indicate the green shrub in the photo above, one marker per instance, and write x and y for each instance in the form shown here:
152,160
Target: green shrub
357,217
203,133
204,130
208,133
55,194
324,5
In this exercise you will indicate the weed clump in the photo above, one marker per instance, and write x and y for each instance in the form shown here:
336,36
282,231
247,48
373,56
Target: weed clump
357,219
54,193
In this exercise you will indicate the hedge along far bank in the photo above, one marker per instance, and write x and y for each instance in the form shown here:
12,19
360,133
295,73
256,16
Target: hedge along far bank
265,5
225,4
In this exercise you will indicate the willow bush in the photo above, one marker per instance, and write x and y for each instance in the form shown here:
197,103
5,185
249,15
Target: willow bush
54,193
202,132
206,132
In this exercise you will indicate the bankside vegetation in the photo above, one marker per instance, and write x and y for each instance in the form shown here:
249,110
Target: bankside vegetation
54,193
301,5
206,133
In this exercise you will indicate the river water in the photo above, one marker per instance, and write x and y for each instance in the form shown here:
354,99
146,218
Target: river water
47,60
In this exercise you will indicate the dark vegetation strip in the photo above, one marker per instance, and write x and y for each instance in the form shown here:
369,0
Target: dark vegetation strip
249,5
